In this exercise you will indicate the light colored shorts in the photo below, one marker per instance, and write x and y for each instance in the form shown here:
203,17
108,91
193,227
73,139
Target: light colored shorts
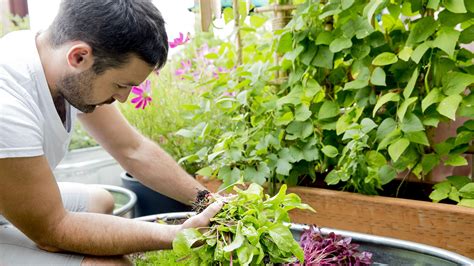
17,249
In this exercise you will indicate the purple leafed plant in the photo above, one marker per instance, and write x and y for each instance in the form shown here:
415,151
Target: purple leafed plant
332,249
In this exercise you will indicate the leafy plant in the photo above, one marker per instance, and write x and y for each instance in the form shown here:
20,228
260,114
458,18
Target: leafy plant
166,114
332,249
367,81
459,189
249,230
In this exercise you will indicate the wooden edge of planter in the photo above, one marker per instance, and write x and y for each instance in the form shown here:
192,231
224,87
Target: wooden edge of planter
436,224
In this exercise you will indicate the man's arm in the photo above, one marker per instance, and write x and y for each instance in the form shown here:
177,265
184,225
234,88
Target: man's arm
30,200
139,156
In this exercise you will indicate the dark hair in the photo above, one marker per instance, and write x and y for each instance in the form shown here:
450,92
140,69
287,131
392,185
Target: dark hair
115,29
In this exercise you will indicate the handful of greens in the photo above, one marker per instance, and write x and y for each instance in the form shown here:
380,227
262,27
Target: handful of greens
248,230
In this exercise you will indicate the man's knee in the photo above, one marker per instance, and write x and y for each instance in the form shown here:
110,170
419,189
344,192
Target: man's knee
101,201
117,260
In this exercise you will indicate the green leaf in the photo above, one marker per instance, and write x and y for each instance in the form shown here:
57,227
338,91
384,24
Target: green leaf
454,195
324,58
387,173
302,112
367,125
284,240
405,53
285,43
396,149
467,35
467,203
387,126
378,77
434,96
459,181
418,137
429,161
446,40
433,4
389,139
449,105
324,37
346,4
422,29
228,14
284,119
384,59
329,109
420,51
456,160
455,6
333,177
370,9
330,151
456,82
237,241
411,84
441,191
340,44
404,107
206,171
467,191
283,167
185,239
257,20
375,159
389,97
412,123
300,129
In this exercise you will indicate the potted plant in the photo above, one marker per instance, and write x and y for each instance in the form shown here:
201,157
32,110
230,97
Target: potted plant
253,229
368,83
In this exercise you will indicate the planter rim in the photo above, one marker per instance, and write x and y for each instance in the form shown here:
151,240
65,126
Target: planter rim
130,194
358,237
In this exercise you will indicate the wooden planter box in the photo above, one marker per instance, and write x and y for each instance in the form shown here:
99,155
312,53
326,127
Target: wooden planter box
441,225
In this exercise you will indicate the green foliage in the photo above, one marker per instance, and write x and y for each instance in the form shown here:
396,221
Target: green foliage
459,189
80,139
15,23
366,81
173,100
249,228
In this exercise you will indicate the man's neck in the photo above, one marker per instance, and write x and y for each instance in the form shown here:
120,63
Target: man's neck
47,55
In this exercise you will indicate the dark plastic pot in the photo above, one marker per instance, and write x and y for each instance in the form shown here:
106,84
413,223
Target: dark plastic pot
149,201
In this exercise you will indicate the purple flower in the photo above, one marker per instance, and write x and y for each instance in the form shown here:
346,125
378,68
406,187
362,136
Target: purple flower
143,92
179,41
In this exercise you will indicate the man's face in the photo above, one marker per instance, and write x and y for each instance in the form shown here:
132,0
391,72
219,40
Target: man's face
86,91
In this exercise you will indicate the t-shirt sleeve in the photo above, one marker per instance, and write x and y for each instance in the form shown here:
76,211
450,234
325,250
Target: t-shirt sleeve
20,129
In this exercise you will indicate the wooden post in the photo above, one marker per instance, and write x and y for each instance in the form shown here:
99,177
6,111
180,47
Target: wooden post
235,5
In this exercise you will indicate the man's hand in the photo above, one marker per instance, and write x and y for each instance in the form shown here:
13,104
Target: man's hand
202,220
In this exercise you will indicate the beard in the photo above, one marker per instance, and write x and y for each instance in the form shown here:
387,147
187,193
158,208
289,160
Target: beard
77,89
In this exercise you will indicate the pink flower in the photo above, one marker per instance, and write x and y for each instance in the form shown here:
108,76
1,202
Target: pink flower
187,64
179,41
143,93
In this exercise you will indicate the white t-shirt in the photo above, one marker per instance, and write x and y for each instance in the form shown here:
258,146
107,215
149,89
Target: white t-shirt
29,123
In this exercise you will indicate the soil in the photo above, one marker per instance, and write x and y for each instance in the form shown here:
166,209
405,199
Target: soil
202,201
397,189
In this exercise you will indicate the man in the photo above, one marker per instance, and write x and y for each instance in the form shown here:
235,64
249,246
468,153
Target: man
92,55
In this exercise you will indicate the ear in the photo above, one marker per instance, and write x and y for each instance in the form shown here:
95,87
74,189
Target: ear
79,56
